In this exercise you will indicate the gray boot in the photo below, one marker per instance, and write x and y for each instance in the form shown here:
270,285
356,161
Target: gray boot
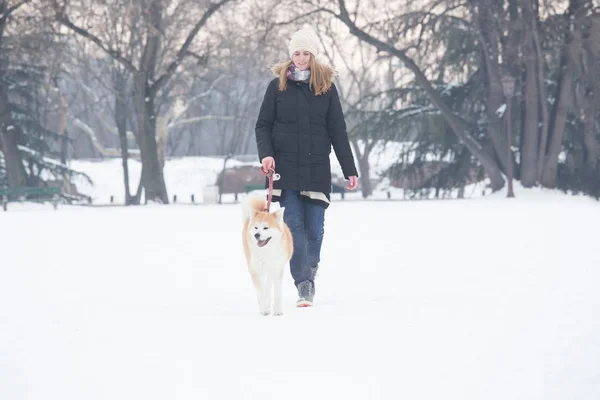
313,276
313,272
306,294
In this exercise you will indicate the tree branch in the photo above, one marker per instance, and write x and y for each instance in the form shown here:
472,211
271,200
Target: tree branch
183,51
173,121
94,139
15,7
198,119
414,68
64,20
457,124
298,17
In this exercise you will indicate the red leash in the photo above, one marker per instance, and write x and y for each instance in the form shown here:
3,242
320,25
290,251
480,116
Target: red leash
271,175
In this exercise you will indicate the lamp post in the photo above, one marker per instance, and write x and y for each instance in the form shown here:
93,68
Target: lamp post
508,87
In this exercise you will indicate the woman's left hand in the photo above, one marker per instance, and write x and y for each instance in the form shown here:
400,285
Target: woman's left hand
353,183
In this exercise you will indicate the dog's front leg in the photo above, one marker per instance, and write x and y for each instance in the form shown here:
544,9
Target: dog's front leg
258,286
277,289
266,289
263,296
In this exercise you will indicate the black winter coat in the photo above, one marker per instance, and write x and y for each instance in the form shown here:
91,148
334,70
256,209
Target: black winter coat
298,129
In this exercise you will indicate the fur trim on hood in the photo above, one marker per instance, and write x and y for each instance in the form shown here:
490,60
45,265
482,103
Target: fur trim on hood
277,67
322,87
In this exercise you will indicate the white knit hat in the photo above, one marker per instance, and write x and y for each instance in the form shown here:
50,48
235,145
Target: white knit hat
304,39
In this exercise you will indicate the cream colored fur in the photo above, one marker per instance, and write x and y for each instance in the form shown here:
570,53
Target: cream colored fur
266,264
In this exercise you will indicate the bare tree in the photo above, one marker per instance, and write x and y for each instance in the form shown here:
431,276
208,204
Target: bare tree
148,78
458,126
99,91
361,80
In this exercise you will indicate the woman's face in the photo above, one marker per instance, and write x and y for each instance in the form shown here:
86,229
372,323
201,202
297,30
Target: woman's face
301,59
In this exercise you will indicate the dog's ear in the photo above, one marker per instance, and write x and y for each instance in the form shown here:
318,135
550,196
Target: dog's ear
252,213
279,214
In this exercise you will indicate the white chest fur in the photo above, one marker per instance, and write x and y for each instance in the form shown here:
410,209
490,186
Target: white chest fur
271,257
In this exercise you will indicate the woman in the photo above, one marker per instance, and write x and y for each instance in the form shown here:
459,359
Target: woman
300,119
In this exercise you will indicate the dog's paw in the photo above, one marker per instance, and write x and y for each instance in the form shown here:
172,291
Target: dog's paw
264,313
277,310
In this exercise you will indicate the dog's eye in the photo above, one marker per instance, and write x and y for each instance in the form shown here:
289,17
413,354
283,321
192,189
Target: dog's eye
256,227
265,228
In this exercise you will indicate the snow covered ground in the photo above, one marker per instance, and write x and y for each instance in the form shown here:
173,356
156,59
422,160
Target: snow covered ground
475,299
186,176
183,176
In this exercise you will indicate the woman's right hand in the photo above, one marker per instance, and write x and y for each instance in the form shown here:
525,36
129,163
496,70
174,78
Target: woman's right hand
267,164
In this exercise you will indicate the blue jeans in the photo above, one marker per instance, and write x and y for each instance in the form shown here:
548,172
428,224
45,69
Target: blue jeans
306,221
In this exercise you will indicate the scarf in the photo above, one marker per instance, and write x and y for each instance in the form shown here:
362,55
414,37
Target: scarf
298,75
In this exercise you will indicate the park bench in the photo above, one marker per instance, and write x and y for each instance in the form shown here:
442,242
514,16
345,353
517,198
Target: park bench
37,194
251,187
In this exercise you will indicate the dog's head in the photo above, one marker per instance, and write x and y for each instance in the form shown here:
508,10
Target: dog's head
266,227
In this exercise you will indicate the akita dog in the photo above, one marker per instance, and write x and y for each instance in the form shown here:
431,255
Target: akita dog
268,247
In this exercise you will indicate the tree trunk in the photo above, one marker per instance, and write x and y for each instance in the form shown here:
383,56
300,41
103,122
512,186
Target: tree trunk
363,167
589,88
144,97
221,179
543,98
495,95
529,147
564,97
161,144
138,193
591,103
68,186
562,107
589,136
9,133
121,111
152,175
62,131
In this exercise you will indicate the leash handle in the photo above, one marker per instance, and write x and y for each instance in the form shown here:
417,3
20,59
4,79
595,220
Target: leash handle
272,176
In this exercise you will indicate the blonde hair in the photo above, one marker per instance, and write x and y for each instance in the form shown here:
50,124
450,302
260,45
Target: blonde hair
320,77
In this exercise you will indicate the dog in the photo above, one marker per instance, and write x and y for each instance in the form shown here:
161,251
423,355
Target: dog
268,247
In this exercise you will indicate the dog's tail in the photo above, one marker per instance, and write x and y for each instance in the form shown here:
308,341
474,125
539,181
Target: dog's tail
252,204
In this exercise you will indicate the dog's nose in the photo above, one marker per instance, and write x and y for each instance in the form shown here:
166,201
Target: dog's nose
257,236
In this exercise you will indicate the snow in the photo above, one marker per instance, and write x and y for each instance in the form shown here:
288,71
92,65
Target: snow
185,176
501,110
488,298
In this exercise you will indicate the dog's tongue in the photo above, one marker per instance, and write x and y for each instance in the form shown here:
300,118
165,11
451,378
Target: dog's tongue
263,243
